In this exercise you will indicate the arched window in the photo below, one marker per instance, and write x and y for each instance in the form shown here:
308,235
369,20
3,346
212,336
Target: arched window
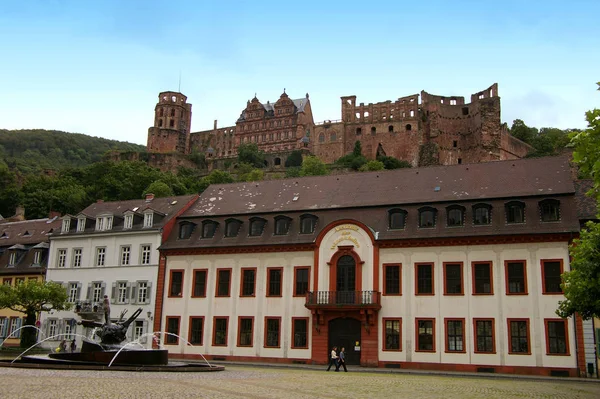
515,212
427,217
408,127
308,224
455,215
232,227
550,210
391,128
282,225
257,225
185,230
321,138
277,161
208,228
396,219
482,214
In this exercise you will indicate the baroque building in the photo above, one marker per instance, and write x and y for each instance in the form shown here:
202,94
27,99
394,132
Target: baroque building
438,130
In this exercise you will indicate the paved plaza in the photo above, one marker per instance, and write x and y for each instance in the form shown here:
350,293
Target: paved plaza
264,383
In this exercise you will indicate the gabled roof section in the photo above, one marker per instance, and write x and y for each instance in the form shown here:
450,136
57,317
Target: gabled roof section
12,233
548,176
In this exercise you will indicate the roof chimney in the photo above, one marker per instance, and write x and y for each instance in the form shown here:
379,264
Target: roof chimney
149,197
53,214
19,214
215,125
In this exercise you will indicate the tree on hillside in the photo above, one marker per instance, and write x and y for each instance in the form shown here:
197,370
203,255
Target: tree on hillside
215,177
250,154
31,298
545,141
247,172
10,194
354,160
313,166
295,159
159,189
581,285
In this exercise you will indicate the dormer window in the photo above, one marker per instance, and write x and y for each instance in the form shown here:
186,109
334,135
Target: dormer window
282,225
128,222
427,217
515,212
396,219
148,219
455,216
550,210
12,259
109,223
308,223
37,258
99,224
232,227
81,225
66,225
104,223
482,214
185,230
257,225
208,229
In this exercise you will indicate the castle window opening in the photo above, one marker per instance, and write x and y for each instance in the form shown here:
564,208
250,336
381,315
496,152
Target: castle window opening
321,138
366,114
174,99
412,100
278,123
358,115
481,96
332,137
408,127
358,131
271,124
162,113
459,161
452,102
373,130
391,129
465,111
404,114
171,123
160,123
455,144
277,161
491,92
442,100
349,102
412,113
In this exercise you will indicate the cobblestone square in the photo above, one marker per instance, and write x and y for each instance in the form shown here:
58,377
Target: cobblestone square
265,383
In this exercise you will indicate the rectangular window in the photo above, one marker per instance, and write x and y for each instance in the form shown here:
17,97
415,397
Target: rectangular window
62,258
138,330
272,330
142,289
7,281
109,223
248,282
122,291
52,327
391,334
145,254
100,256
220,331
482,278
455,335
392,279
557,339
299,332
223,282
173,330
301,280
199,283
245,331
12,259
196,333
77,257
14,325
66,225
453,279
485,341
73,292
99,224
424,279
518,337
80,225
551,280
176,283
425,335
148,218
128,221
19,280
274,277
125,255
516,279
37,257
97,291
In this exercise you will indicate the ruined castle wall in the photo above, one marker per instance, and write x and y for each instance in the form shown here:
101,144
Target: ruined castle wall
166,140
328,141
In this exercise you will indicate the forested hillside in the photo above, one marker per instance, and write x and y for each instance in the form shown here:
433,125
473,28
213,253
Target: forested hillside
30,151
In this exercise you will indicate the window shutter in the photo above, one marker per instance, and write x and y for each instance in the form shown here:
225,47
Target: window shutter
144,331
597,342
78,291
19,324
102,293
134,292
128,297
89,292
45,328
149,292
113,293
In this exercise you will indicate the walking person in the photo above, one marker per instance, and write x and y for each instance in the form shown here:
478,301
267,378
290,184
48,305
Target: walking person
343,359
333,359
74,346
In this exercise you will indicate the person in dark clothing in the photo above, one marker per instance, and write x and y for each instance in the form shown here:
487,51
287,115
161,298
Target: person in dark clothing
333,359
343,359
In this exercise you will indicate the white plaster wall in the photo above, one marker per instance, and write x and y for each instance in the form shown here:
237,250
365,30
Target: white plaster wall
258,306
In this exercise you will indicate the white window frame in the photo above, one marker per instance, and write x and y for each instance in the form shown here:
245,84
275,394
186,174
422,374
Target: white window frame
109,223
37,257
80,225
97,289
128,222
122,294
12,259
66,225
125,255
77,256
99,224
52,325
62,258
73,292
148,219
138,329
100,256
141,286
145,254
68,333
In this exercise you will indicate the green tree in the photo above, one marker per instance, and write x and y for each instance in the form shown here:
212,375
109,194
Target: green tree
159,189
357,151
523,132
250,154
215,177
295,159
372,166
355,160
581,285
313,166
31,298
247,172
293,171
393,163
10,194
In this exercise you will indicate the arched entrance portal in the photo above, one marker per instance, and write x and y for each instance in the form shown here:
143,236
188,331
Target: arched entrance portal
346,279
345,332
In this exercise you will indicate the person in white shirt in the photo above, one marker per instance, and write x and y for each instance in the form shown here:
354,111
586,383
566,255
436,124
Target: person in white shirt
333,360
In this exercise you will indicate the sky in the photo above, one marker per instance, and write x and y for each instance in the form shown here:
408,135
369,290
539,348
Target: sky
97,67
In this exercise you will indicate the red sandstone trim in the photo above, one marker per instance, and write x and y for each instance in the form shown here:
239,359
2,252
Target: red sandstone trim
462,278
296,268
267,290
243,271
239,331
417,320
476,240
182,271
475,320
189,338
342,251
491,281
542,263
547,336
203,295
510,349
167,337
383,333
219,270
580,345
292,342
214,330
417,265
267,318
446,336
506,285
385,268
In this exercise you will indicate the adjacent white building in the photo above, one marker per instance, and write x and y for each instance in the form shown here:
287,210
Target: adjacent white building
110,248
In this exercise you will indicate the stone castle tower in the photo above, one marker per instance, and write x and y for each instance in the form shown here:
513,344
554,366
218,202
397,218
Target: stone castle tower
172,121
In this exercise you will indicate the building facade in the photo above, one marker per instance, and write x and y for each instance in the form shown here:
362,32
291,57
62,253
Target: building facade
24,248
447,268
110,248
440,130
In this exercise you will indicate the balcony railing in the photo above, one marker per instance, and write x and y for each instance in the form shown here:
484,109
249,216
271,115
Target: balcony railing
324,299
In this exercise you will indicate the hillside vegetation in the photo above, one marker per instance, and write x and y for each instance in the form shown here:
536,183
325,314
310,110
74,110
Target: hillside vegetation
31,151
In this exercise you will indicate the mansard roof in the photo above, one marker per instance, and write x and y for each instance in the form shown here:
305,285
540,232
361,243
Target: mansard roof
27,232
548,176
164,206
